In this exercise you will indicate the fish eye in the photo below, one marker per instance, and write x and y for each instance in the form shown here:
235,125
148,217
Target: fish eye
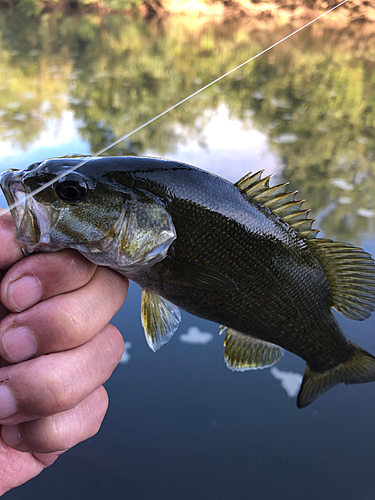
71,190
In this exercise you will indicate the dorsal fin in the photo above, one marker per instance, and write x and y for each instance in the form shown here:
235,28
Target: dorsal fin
280,201
349,270
351,275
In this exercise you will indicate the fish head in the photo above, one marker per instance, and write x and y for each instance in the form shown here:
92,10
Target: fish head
111,223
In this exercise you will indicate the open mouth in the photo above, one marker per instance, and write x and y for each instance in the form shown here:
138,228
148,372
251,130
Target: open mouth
14,193
32,219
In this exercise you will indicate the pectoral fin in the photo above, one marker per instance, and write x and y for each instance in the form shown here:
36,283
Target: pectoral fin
160,319
244,352
196,276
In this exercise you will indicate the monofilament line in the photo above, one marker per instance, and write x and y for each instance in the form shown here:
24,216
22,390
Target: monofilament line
126,136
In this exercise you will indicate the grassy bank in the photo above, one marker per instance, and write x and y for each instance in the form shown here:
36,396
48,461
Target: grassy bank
353,10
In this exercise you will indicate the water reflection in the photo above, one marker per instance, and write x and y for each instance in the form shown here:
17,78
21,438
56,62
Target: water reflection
195,336
313,100
289,381
125,358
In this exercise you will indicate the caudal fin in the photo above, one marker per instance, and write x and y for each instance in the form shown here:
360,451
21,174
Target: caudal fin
359,369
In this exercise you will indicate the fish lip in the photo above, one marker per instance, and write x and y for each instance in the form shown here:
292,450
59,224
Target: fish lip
10,185
24,207
4,184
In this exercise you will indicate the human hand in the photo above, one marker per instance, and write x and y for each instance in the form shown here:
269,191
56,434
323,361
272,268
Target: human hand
56,351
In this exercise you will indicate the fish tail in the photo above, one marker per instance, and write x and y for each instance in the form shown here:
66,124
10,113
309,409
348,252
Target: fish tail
358,369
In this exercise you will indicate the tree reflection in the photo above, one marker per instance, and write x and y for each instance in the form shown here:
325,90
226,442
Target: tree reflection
315,100
34,80
317,108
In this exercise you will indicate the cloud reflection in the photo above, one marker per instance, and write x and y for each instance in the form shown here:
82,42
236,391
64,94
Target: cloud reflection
195,336
125,358
364,212
290,381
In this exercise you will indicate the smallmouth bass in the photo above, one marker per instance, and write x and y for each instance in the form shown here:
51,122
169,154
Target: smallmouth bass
243,255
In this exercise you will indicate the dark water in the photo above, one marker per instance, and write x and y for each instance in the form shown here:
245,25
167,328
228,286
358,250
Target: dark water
180,424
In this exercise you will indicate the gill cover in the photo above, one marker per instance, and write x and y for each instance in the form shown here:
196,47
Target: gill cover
139,236
145,233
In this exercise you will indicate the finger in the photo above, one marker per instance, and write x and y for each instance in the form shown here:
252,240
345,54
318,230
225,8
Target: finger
16,467
10,249
47,459
42,276
3,310
65,321
58,382
62,431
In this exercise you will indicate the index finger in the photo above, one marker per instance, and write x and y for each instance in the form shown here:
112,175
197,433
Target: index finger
42,276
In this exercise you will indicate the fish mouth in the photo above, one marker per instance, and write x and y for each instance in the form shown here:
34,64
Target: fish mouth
14,193
33,220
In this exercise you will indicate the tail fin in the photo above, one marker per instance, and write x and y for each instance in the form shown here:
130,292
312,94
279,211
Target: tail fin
359,369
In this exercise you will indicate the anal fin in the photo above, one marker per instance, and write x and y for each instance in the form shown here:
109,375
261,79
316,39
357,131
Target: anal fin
160,319
244,352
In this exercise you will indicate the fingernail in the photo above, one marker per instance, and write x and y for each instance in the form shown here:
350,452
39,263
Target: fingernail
25,292
11,435
19,344
8,406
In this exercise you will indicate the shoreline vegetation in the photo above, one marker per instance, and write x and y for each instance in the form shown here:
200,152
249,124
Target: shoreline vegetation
94,77
263,10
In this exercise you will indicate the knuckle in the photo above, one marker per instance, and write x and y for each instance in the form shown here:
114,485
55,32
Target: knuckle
72,318
64,430
49,390
120,285
100,402
44,436
61,271
116,284
57,392
79,266
114,343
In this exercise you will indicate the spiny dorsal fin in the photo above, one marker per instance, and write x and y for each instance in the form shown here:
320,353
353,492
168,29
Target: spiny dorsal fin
280,201
351,275
244,352
249,180
349,270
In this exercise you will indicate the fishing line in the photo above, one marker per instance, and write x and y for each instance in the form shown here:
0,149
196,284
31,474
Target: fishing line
126,136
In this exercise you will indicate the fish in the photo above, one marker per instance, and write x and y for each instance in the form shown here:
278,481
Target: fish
243,255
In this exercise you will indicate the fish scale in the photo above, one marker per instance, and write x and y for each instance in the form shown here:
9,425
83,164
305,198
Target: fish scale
239,308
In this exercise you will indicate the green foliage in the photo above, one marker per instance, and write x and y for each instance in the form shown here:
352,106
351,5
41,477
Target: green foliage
36,7
315,100
29,7
120,5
